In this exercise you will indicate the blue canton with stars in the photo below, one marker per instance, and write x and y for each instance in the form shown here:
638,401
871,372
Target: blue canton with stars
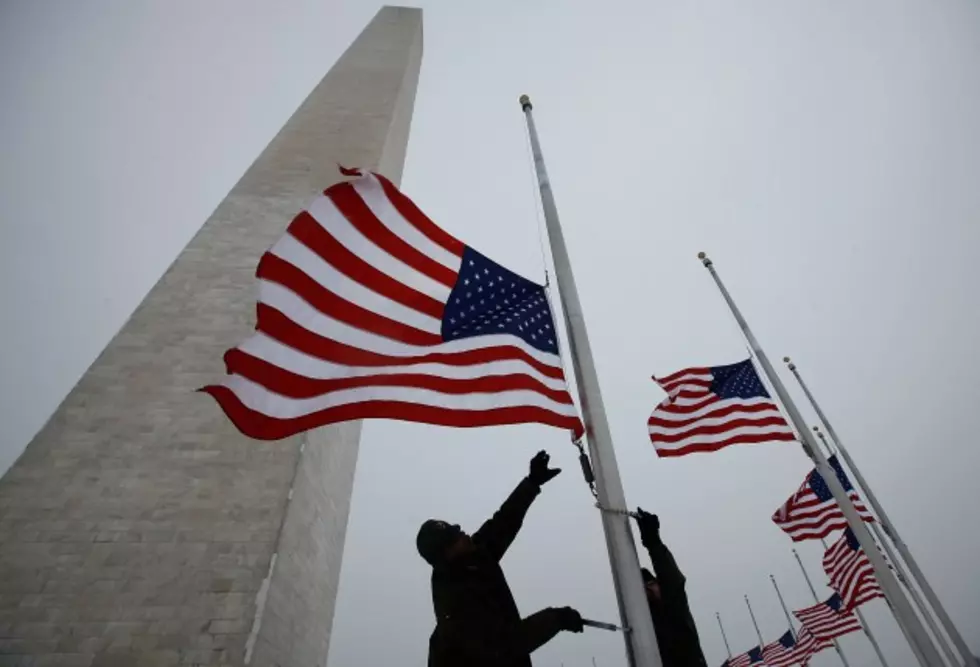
852,540
819,485
787,640
737,381
755,655
834,602
488,299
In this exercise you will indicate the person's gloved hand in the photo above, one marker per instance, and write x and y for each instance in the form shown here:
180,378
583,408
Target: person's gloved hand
540,472
569,619
649,527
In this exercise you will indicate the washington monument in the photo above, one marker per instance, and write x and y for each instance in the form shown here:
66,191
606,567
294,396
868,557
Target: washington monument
139,527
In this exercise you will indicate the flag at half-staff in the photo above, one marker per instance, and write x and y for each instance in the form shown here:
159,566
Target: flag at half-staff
710,408
850,572
828,619
751,657
369,309
789,650
812,513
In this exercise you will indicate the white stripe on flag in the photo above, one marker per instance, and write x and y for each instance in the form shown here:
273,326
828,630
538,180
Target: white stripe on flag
304,259
260,399
373,195
285,357
311,319
326,214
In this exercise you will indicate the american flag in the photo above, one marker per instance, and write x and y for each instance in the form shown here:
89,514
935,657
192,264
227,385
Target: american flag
850,572
812,513
790,650
782,652
808,646
750,657
707,409
828,619
368,309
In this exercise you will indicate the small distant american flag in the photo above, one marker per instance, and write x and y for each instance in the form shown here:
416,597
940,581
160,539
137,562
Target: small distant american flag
808,646
707,409
828,619
750,657
368,309
850,572
782,652
812,513
787,651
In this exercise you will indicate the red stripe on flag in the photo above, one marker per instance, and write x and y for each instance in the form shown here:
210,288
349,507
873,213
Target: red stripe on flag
673,408
420,220
715,429
721,444
308,231
262,427
350,204
278,326
697,370
286,383
720,412
279,271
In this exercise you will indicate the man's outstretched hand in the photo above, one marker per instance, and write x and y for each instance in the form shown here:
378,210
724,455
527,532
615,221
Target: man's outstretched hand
649,527
540,472
569,619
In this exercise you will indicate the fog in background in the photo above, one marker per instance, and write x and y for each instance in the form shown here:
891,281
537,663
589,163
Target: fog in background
825,154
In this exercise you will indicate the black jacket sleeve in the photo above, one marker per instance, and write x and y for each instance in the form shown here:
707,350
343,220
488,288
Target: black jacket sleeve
669,576
540,628
497,534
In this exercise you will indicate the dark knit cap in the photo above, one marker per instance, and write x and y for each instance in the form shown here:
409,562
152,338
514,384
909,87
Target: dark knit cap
434,538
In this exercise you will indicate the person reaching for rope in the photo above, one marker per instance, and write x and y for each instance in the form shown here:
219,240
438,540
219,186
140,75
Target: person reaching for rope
477,621
677,635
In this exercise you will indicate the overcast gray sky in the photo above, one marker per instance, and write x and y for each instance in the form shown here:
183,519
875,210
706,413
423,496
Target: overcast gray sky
824,153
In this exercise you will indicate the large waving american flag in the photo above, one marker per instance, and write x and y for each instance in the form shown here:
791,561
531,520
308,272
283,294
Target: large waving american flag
368,309
707,409
850,572
812,513
828,619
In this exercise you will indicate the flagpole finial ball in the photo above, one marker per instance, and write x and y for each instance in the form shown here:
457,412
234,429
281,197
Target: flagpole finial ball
525,102
704,259
786,359
701,255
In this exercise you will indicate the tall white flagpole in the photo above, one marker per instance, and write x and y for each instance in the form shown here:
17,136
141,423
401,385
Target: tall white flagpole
641,642
888,527
893,593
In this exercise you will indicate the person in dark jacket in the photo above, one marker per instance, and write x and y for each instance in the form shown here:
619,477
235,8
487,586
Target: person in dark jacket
477,622
677,636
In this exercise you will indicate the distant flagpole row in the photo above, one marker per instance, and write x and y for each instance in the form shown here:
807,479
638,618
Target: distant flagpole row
924,612
888,528
893,593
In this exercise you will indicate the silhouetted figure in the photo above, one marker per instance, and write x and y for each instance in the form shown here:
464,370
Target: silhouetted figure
677,636
477,622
